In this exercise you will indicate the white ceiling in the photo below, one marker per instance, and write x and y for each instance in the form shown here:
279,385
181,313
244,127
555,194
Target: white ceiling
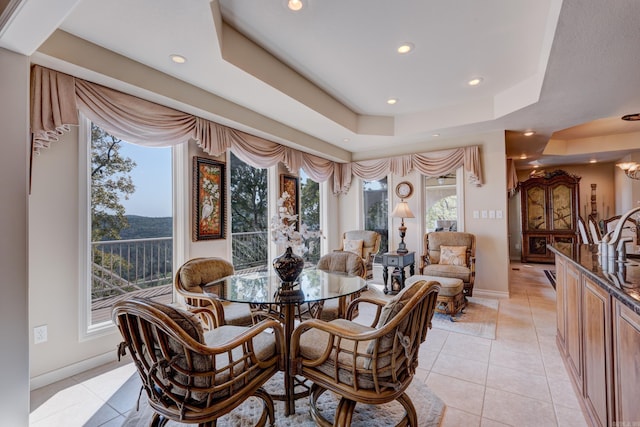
547,65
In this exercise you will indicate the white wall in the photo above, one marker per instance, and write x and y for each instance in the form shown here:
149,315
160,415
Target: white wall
54,262
14,167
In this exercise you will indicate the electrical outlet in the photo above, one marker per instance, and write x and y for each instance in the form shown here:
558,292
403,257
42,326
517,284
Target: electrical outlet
40,334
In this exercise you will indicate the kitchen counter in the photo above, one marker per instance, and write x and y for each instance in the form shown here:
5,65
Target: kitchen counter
622,281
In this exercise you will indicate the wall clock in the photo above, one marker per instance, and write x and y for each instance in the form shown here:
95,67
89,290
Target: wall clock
404,190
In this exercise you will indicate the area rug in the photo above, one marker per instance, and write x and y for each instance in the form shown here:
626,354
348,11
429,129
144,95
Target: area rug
430,409
479,318
551,276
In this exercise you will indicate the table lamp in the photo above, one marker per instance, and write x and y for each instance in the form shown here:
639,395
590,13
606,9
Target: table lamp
402,211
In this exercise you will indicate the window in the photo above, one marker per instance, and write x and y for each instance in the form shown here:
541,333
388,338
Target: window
376,211
442,210
310,213
130,224
249,215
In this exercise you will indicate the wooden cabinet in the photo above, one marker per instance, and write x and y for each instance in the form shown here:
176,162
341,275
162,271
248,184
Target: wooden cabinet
599,340
626,345
550,206
597,329
573,323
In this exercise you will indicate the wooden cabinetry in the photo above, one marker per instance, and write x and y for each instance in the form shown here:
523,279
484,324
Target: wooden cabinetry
626,344
599,339
597,329
550,206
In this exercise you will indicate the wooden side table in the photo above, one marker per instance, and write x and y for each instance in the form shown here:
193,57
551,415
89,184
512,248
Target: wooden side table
398,262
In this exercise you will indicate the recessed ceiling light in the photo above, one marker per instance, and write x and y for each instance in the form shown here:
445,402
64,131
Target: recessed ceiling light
405,47
631,117
294,5
593,161
391,101
345,140
523,157
536,166
529,133
475,81
178,59
435,134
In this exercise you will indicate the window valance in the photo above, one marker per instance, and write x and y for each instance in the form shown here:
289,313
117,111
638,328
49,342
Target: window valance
56,99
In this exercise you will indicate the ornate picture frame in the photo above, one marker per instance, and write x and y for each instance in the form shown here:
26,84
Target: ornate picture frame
289,184
209,190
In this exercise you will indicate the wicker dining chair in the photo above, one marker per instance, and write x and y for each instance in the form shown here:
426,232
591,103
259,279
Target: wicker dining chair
195,377
197,272
366,364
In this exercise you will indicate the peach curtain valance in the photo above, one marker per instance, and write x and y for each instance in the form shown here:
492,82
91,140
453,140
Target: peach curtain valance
56,99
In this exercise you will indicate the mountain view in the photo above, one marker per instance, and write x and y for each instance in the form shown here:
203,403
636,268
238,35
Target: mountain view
143,227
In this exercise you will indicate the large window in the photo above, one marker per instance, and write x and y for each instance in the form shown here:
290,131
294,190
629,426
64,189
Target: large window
310,213
249,215
376,211
130,202
442,203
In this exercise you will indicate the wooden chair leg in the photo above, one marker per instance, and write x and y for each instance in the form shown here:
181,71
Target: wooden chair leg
268,410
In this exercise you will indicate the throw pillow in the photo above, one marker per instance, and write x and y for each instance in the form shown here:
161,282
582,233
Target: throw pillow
453,255
354,246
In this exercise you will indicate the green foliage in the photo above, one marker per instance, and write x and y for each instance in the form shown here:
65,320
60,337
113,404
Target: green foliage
310,204
249,197
445,208
110,181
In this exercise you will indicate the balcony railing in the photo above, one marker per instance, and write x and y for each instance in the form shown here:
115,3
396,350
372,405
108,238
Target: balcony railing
144,267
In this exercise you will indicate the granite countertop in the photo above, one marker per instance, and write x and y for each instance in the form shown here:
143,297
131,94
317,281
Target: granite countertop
619,279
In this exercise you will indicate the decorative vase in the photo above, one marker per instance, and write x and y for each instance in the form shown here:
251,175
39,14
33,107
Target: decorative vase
288,266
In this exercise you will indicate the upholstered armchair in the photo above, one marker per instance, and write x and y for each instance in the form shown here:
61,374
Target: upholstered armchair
450,254
365,243
197,272
367,364
342,262
192,376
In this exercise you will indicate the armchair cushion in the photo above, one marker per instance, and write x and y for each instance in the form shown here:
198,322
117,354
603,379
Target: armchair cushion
453,255
453,271
354,246
189,322
200,271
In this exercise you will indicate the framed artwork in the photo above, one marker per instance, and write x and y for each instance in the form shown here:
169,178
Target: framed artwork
289,184
208,199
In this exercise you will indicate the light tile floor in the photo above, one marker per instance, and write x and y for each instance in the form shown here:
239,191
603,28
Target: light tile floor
516,380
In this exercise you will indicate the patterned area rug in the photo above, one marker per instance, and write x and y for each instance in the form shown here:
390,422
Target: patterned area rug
479,318
429,407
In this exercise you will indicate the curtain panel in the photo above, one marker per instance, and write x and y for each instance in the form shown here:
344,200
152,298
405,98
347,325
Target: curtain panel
56,99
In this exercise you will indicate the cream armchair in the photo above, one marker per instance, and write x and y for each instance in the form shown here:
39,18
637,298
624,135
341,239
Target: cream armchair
450,254
365,243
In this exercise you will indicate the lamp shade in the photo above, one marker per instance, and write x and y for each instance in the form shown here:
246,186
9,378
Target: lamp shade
402,211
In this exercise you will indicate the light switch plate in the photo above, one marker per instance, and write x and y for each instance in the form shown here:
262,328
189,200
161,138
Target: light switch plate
476,214
492,214
499,214
484,214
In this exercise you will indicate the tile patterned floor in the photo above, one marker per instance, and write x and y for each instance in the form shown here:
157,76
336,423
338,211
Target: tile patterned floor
516,380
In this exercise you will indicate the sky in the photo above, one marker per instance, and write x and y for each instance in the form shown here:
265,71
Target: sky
152,178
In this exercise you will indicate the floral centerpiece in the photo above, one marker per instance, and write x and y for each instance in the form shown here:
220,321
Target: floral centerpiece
285,231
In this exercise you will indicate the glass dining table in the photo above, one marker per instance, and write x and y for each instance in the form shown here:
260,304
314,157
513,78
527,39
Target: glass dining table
264,290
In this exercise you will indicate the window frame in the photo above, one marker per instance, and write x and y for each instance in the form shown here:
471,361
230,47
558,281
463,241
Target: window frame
87,330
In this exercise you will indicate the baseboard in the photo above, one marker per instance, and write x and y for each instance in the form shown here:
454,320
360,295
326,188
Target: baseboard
71,370
484,293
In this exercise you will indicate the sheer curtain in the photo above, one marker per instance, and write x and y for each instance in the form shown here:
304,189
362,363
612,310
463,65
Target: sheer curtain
56,99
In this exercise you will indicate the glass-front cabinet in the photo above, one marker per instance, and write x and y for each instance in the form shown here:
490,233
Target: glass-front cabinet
550,206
